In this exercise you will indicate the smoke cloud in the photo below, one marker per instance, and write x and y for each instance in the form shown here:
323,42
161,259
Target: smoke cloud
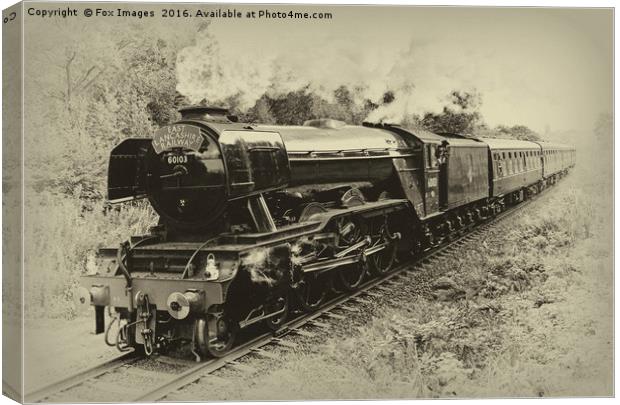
420,74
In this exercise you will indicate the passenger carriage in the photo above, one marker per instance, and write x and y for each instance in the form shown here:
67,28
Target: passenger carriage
515,166
557,159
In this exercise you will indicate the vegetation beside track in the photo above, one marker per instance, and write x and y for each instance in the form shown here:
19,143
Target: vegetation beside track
531,315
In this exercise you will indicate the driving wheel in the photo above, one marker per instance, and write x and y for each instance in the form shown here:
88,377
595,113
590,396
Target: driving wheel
311,291
351,276
216,336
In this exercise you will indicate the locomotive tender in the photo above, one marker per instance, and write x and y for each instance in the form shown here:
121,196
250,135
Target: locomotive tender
256,219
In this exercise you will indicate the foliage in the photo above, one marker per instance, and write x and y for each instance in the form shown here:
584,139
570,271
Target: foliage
520,132
295,107
61,238
86,98
460,116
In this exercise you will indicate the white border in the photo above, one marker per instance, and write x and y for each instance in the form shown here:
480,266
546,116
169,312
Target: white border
482,3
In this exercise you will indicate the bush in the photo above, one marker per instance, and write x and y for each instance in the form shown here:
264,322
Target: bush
59,238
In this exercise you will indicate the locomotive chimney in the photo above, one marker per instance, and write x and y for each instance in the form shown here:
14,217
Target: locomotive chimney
205,113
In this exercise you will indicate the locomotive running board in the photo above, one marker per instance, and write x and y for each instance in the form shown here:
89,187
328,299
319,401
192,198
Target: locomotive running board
329,264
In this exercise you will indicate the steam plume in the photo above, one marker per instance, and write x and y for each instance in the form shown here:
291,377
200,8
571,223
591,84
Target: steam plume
419,74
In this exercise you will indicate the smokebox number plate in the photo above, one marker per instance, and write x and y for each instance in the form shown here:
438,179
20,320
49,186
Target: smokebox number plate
177,136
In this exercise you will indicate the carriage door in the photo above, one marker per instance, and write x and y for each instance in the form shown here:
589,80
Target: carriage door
431,171
443,153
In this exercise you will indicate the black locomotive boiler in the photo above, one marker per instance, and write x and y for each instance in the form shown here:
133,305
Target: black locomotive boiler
256,219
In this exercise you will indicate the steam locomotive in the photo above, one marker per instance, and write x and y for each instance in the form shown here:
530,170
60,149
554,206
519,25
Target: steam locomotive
256,219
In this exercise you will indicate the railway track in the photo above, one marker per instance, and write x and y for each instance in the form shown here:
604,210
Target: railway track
76,379
107,377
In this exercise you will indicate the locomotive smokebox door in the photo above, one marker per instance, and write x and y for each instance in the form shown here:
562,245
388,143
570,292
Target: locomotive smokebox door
186,176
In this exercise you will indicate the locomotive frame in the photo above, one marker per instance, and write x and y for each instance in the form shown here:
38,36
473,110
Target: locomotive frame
256,219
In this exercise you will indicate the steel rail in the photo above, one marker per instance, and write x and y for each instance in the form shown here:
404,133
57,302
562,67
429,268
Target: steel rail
80,377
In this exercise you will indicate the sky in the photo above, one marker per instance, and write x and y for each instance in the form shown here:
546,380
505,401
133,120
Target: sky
545,68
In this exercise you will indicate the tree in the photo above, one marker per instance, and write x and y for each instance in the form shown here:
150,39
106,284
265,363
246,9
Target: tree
517,132
260,112
101,87
461,116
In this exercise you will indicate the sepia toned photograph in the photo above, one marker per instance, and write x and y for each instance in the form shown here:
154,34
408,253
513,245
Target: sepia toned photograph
260,202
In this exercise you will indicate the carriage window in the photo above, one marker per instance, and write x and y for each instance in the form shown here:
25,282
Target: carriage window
434,161
516,162
508,168
428,156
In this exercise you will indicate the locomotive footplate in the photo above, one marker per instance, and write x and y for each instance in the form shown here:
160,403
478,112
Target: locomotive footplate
158,290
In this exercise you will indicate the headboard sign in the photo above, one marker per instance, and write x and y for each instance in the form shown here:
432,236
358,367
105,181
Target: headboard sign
177,136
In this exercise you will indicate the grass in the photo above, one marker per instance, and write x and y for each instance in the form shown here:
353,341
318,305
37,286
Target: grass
536,321
60,236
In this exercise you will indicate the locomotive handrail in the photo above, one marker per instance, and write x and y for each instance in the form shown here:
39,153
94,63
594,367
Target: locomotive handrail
189,262
263,148
210,187
340,151
121,254
331,156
